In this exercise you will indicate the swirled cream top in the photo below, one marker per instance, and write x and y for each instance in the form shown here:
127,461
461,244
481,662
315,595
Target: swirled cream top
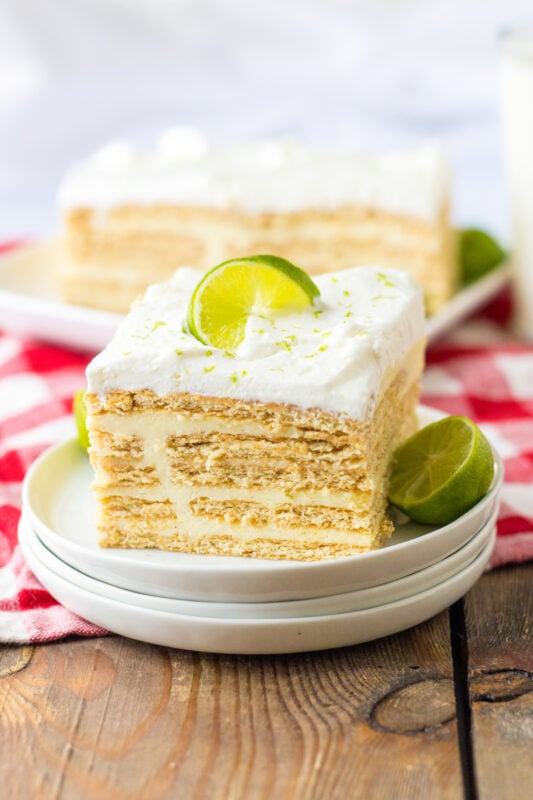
333,355
266,176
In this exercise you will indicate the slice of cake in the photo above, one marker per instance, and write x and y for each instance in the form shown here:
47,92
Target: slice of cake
132,217
278,449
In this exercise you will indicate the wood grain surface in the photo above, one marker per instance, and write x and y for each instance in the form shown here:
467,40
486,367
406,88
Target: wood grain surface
113,718
499,617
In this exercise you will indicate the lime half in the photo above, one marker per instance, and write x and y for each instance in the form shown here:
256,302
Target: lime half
79,410
479,253
228,294
441,471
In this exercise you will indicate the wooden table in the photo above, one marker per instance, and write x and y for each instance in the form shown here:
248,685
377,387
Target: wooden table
444,710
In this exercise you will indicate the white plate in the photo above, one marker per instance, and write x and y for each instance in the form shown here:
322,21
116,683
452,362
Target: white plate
30,303
257,636
61,508
318,606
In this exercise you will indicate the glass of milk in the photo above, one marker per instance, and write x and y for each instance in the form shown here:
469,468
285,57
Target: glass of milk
516,78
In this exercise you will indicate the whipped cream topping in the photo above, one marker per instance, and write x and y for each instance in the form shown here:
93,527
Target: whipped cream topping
269,176
332,355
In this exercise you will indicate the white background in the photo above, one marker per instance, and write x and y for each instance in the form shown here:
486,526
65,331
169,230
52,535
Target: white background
381,74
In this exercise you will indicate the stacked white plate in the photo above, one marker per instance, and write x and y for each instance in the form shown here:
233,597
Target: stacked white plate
241,605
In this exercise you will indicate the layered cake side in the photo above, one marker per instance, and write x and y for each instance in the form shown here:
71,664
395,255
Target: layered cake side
132,217
280,449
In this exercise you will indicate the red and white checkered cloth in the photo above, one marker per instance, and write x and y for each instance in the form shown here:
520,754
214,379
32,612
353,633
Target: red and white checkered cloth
480,372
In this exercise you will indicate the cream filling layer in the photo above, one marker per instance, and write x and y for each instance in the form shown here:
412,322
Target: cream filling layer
162,424
199,527
181,496
317,232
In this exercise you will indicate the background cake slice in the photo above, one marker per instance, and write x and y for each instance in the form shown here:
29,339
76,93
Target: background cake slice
132,217
281,449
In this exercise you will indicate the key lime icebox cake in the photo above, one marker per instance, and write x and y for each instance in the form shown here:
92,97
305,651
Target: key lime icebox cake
131,217
274,442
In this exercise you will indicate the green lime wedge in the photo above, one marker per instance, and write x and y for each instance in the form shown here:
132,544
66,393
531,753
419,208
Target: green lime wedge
479,253
441,471
79,409
229,293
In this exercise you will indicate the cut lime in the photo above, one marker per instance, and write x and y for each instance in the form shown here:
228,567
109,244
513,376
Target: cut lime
79,410
228,294
441,471
479,253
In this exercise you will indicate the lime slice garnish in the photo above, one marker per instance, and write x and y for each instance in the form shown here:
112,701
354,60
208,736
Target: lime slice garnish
479,253
79,409
441,471
228,294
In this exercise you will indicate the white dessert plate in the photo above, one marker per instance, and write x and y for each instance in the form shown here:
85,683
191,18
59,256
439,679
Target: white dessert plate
257,636
318,606
30,303
60,507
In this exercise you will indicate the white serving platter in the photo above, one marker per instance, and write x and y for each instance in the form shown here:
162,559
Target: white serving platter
316,606
30,304
60,507
466,301
256,636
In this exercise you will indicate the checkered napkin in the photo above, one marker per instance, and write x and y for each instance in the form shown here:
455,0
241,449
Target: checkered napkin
479,372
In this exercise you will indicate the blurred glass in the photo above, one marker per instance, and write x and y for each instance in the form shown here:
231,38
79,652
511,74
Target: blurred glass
516,79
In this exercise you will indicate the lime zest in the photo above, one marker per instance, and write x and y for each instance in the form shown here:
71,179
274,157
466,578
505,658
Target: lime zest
382,278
